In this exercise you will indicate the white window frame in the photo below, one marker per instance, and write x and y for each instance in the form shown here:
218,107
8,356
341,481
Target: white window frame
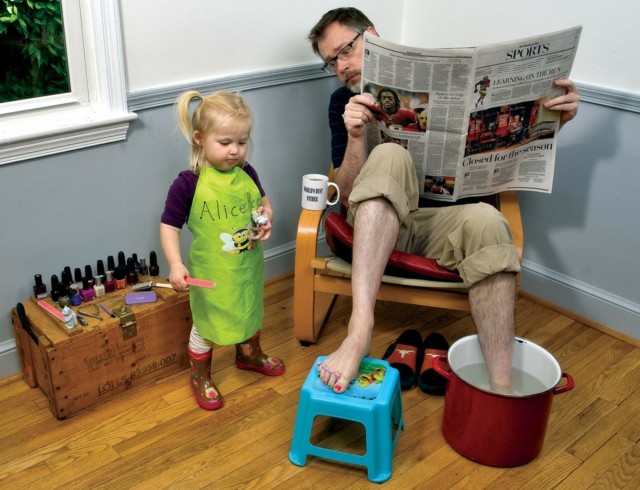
95,111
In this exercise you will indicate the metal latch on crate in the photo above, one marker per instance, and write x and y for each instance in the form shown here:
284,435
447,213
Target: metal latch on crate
127,322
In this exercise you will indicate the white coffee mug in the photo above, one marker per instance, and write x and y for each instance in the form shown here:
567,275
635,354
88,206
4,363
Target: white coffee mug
314,192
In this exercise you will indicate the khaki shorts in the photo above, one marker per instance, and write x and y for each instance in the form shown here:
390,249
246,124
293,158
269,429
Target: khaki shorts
474,239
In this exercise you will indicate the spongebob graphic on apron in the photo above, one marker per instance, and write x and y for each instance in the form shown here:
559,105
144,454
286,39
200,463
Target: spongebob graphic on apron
221,251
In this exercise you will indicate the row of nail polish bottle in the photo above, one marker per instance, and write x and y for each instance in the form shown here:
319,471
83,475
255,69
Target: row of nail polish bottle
74,290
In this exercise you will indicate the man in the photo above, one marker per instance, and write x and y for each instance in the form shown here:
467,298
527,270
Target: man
484,85
381,193
390,103
437,186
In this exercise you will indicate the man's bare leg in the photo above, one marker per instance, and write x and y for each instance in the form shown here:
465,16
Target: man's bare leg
376,229
492,303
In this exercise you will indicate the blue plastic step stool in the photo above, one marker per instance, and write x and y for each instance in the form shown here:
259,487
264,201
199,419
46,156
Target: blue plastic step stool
374,399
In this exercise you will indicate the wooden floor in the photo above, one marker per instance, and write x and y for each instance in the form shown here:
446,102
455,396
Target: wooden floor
157,437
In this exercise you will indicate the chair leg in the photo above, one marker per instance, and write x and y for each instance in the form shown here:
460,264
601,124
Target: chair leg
311,309
322,306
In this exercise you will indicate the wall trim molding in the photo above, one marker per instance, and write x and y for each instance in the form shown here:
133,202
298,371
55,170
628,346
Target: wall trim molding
627,101
598,305
166,95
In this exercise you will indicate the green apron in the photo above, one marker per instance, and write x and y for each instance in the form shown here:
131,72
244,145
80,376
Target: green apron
221,251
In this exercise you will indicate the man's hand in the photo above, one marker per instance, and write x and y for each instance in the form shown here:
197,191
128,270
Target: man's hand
357,114
567,103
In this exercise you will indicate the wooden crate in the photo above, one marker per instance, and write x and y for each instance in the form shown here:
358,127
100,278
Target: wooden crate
84,366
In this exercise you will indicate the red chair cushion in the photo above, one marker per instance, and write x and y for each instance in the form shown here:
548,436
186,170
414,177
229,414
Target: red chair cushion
402,264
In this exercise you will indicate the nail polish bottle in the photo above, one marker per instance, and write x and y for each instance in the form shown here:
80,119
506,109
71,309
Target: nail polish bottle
121,272
136,262
144,270
55,288
121,277
154,270
66,278
39,288
65,297
121,259
98,287
88,274
110,283
76,299
100,268
87,293
100,273
132,277
77,278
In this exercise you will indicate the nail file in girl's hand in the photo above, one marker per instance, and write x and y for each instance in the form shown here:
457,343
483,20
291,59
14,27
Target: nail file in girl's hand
200,283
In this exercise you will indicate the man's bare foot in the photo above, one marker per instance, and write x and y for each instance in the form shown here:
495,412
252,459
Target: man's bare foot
341,368
501,384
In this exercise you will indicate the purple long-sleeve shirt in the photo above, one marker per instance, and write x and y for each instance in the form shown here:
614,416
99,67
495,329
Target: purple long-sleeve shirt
180,196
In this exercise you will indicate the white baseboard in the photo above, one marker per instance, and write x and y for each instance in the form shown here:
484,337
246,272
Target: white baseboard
9,362
595,304
580,298
585,300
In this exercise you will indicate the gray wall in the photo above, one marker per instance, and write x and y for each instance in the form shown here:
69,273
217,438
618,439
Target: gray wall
582,240
75,208
78,207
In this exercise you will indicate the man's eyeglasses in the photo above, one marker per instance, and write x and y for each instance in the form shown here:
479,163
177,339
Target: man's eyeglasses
343,55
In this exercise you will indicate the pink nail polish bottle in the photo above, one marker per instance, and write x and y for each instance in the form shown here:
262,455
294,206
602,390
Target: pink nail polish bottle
86,293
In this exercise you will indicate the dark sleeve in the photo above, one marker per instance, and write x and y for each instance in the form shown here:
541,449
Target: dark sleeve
179,198
339,136
251,172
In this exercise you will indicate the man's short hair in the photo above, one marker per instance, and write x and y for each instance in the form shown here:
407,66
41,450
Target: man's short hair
347,16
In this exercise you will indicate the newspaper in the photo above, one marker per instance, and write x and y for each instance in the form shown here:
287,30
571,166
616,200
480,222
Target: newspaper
472,118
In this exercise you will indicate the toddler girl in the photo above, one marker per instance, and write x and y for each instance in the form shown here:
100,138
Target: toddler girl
222,202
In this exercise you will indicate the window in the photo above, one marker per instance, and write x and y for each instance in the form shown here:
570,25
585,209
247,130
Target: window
94,111
33,48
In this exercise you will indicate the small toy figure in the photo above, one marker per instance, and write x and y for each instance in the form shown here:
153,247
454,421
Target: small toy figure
70,319
259,219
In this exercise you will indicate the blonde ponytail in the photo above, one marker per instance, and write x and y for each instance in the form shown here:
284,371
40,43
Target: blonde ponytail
212,112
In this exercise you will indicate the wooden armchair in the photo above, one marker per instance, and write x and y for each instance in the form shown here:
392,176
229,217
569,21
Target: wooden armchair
319,280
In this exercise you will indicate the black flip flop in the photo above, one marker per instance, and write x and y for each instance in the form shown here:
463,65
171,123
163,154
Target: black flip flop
429,381
405,354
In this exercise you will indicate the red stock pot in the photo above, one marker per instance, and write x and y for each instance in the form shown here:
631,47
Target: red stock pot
491,428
